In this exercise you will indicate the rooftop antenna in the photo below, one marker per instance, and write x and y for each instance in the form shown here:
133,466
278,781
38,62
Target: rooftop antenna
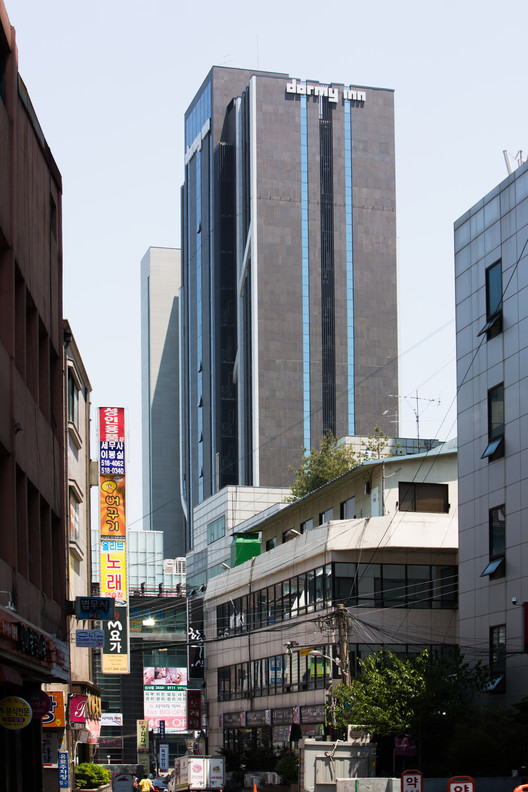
513,161
416,411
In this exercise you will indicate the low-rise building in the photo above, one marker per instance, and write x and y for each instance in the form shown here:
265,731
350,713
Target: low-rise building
368,560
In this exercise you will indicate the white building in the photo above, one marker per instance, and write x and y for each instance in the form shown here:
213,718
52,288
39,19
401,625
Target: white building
395,574
492,378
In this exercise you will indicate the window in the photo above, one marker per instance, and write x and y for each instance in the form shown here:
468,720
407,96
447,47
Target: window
497,543
75,520
497,658
493,324
216,530
73,400
326,516
495,448
307,525
270,544
348,509
420,497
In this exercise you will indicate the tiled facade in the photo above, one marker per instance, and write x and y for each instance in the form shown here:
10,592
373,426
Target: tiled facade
491,266
288,275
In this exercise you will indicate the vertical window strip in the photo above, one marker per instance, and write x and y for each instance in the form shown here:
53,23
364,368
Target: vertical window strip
189,359
305,272
199,345
212,446
349,268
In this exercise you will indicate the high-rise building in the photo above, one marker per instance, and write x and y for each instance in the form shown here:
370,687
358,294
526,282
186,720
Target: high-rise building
491,257
162,508
289,311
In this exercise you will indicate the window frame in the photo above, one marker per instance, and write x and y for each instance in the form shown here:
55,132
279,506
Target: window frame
495,447
493,324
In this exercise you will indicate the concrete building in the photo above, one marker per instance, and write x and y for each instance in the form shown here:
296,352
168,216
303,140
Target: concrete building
289,293
34,646
492,372
380,542
162,509
82,737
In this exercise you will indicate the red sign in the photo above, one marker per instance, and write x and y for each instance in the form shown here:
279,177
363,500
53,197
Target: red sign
112,424
461,784
78,706
194,710
411,781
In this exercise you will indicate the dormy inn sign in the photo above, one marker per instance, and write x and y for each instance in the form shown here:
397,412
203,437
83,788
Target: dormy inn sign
315,89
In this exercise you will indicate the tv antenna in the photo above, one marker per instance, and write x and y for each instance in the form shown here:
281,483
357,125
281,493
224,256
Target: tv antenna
513,161
416,411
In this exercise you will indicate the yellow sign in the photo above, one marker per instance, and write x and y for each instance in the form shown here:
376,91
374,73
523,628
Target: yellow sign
306,651
15,712
114,664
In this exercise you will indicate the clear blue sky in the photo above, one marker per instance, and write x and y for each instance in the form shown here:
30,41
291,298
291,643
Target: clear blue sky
110,81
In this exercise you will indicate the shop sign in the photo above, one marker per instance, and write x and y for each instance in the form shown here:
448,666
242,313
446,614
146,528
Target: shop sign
313,714
164,757
101,608
15,712
64,770
55,716
38,700
31,642
111,719
142,736
78,705
50,750
89,639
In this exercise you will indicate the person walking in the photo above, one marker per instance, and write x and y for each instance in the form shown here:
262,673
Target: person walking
146,784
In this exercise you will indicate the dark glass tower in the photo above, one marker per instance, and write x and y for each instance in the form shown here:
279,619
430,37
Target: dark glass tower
289,293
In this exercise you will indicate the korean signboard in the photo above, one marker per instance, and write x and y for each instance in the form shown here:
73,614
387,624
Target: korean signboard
165,698
115,648
115,658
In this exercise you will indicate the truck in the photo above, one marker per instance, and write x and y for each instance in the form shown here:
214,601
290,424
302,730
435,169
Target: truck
198,773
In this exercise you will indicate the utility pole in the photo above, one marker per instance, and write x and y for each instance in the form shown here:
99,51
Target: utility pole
342,624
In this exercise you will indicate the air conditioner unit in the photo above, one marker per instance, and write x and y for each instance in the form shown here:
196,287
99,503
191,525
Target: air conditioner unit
169,566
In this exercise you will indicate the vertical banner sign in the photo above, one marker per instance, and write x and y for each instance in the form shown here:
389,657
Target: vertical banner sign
115,655
115,647
196,638
64,771
164,758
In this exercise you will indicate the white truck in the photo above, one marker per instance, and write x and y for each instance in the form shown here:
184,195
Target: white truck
198,773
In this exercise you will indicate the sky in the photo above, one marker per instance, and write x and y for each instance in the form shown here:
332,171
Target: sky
110,82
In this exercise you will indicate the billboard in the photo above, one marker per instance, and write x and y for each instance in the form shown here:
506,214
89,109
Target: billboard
113,551
165,697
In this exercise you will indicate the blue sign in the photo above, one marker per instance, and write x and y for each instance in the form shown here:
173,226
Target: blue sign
101,608
64,769
162,730
90,639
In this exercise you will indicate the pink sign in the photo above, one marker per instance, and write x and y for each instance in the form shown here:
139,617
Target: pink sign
78,705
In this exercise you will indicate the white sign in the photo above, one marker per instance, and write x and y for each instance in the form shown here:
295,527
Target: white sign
111,719
164,758
332,94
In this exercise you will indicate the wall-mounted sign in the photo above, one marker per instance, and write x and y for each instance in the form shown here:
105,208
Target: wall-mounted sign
100,608
64,770
111,719
15,712
89,639
56,716
115,649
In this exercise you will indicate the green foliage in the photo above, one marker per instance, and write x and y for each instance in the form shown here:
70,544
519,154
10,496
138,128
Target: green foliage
376,444
288,768
393,696
321,466
427,696
91,776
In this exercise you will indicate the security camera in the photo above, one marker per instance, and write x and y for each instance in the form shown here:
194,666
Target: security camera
514,600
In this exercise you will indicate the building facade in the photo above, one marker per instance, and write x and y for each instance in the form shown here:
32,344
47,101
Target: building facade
377,547
289,296
492,375
34,647
162,509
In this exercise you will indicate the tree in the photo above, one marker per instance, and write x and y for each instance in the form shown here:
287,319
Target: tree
320,467
424,696
375,445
